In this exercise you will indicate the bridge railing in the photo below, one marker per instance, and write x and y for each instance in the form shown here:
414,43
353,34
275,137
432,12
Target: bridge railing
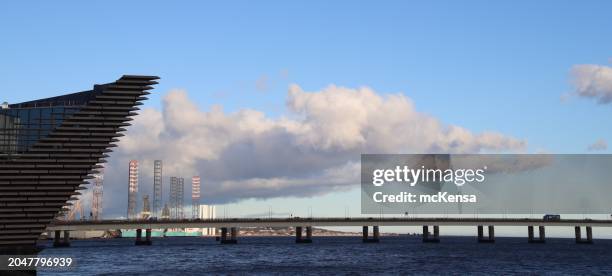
319,219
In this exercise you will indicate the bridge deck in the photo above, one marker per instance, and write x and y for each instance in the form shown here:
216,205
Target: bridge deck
291,222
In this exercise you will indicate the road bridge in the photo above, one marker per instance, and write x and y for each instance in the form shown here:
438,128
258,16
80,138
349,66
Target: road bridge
229,226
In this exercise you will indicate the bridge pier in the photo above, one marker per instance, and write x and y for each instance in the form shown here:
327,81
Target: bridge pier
540,239
436,234
589,235
147,240
298,235
58,241
375,234
482,238
232,238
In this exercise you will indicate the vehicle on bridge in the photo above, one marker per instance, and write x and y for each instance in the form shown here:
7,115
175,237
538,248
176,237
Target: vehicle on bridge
552,217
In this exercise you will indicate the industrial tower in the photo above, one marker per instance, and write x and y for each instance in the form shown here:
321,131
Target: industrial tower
181,197
77,207
96,202
173,196
195,197
177,188
157,188
132,189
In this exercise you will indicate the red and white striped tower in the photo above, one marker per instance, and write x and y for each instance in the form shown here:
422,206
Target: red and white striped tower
132,190
96,203
195,197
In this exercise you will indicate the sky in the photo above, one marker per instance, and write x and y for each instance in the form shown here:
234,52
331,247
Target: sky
272,102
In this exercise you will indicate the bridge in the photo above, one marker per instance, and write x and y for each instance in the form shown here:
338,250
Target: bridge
229,226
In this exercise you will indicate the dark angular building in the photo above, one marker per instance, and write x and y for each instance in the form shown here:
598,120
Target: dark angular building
50,147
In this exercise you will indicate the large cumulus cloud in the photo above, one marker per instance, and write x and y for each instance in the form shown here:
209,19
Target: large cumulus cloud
312,150
593,81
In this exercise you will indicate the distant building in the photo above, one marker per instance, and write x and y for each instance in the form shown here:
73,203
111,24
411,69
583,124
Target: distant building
208,212
205,212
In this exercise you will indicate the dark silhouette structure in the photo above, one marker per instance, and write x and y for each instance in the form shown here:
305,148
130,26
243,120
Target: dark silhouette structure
50,147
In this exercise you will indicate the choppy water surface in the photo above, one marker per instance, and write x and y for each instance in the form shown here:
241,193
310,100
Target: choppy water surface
334,255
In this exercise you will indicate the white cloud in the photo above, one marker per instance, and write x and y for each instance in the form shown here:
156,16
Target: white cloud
338,118
313,150
598,145
593,81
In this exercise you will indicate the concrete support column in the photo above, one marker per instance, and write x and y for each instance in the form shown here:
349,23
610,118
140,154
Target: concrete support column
431,238
376,232
223,234
540,239
589,235
66,237
233,233
139,240
58,234
298,234
491,235
375,235
148,240
365,234
58,241
577,234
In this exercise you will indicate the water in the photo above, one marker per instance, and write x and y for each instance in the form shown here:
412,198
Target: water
334,255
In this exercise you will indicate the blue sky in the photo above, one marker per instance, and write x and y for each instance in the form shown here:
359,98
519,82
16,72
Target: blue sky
499,66
471,63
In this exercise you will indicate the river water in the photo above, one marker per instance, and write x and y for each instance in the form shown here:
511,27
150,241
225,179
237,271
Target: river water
333,255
